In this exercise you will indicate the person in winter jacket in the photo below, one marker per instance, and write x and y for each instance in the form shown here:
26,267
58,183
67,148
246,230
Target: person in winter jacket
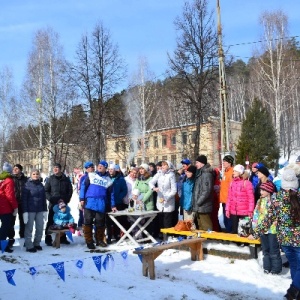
187,192
119,191
8,203
57,187
34,208
240,201
166,190
203,193
62,216
19,180
224,187
272,262
93,197
285,211
253,177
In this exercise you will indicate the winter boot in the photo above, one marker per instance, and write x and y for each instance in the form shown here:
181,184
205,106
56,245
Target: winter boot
100,235
48,240
292,293
88,235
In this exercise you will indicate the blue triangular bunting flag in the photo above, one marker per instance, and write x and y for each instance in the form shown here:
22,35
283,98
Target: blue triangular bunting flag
108,262
4,244
140,255
97,262
33,272
79,264
9,276
69,235
60,269
124,255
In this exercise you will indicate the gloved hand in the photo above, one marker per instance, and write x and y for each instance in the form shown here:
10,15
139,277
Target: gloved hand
15,212
25,217
45,215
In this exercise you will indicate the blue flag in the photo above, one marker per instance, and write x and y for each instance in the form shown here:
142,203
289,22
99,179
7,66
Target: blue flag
108,262
79,264
4,244
69,235
32,272
97,262
60,269
124,255
140,255
9,276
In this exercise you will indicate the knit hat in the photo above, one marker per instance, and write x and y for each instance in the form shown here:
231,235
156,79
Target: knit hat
192,169
103,163
263,170
202,159
135,192
186,161
61,204
145,167
229,159
267,186
19,167
289,180
239,168
7,167
58,165
88,164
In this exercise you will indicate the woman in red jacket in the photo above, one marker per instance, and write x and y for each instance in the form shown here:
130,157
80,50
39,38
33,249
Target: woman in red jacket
240,201
8,203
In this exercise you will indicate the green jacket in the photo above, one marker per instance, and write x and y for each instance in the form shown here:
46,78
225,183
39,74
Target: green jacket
146,192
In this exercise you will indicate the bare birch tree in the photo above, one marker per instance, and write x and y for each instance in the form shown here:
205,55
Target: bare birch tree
193,65
98,70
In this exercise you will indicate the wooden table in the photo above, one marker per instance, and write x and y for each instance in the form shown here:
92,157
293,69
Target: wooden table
136,217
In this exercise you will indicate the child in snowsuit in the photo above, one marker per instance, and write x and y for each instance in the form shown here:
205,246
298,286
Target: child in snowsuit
272,262
62,217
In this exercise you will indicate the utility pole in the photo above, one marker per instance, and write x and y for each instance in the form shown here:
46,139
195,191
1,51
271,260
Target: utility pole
225,143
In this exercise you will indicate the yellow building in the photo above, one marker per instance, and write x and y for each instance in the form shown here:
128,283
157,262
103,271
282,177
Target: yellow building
171,144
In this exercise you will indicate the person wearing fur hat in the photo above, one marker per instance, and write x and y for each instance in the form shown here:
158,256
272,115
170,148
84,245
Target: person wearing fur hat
34,211
272,262
203,193
166,190
19,180
240,201
285,211
187,192
8,203
224,187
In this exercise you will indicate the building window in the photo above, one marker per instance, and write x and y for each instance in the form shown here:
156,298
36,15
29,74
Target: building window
164,140
139,144
164,158
193,137
117,146
156,159
147,160
173,160
174,139
155,142
146,143
184,138
123,146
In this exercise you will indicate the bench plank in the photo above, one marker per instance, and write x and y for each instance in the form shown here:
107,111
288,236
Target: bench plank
150,254
58,234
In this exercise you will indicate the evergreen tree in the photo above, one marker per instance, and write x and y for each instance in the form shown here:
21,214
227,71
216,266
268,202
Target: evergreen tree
258,139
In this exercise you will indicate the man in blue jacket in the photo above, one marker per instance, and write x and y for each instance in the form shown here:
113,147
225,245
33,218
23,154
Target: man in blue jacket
93,197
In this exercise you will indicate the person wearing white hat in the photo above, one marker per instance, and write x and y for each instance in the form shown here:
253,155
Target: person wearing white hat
240,201
285,211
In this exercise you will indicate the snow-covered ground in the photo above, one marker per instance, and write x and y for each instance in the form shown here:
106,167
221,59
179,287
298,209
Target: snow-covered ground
177,277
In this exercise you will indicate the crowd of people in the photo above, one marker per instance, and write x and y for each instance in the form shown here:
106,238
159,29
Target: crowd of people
194,192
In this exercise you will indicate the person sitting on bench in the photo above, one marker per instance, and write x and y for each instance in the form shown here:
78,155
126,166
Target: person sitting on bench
62,217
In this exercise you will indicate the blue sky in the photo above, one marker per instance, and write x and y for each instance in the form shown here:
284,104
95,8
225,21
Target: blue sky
140,27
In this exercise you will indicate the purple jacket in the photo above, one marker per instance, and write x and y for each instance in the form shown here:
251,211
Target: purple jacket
240,197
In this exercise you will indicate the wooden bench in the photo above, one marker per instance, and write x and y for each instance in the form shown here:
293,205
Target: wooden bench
150,254
254,245
58,234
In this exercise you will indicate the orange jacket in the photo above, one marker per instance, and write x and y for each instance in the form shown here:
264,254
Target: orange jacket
225,183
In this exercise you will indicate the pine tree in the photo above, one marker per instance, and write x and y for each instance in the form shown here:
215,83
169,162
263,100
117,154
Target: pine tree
258,139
